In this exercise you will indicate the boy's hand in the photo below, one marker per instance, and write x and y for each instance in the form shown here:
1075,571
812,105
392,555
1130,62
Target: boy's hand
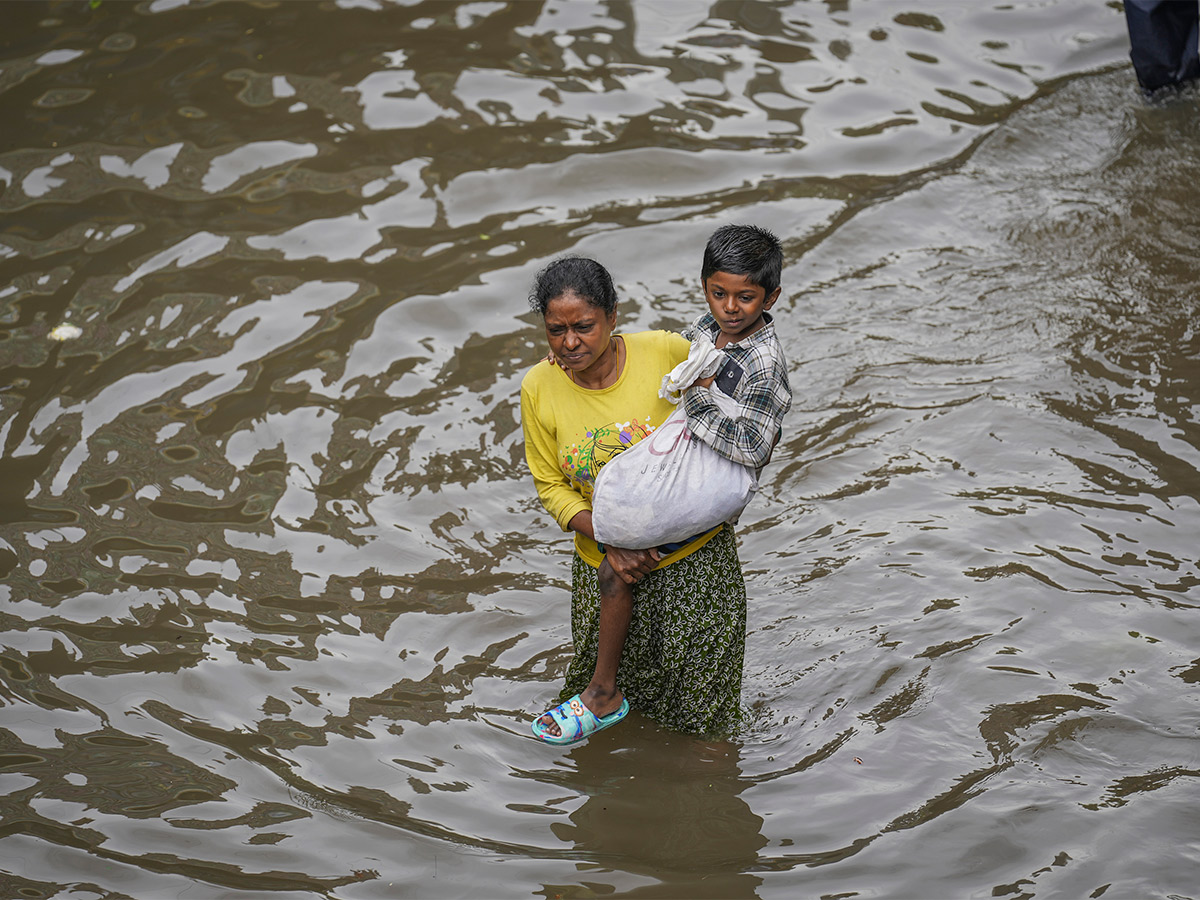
551,358
703,382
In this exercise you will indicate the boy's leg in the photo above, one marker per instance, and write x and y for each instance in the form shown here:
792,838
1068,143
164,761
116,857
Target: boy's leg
616,611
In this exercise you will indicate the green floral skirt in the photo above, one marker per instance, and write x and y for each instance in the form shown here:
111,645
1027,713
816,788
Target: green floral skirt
682,662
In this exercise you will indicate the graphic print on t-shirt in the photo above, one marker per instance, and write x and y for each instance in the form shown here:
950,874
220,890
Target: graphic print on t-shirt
585,458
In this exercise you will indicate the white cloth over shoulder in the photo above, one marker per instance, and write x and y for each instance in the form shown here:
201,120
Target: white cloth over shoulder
703,360
669,486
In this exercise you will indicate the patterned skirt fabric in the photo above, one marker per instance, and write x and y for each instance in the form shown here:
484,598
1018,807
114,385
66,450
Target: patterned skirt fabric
682,662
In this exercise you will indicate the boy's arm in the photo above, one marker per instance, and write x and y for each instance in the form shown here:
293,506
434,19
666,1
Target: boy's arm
750,438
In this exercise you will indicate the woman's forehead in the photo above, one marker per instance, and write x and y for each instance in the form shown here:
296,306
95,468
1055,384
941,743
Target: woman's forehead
570,307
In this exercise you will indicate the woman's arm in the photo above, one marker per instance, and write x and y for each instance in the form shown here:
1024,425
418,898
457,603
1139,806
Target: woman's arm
582,522
561,500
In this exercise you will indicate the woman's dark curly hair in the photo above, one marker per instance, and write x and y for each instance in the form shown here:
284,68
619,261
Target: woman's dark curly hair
577,275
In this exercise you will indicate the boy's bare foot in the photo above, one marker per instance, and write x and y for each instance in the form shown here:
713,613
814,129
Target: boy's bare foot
601,703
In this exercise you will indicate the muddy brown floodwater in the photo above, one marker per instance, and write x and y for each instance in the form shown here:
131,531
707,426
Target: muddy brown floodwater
278,598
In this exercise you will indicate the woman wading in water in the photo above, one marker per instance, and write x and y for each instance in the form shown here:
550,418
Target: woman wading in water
682,658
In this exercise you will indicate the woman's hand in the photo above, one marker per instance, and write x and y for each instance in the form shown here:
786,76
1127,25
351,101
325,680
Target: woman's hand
632,565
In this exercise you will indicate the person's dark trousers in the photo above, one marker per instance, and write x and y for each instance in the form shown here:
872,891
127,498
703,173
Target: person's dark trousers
1163,38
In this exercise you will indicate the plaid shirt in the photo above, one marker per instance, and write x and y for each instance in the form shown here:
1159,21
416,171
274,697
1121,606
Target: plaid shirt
763,396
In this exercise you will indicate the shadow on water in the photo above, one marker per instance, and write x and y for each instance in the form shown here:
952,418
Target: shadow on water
278,597
660,812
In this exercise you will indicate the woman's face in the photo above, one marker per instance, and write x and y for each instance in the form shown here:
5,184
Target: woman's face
578,332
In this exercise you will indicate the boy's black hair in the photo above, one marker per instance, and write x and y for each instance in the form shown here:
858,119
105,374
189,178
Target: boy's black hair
745,250
577,275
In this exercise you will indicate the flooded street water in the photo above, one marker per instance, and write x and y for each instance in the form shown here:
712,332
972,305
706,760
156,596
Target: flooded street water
278,597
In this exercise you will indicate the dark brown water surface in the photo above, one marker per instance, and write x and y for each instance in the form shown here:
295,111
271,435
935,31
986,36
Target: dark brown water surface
278,598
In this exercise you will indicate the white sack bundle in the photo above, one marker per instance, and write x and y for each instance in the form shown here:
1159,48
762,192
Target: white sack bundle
669,486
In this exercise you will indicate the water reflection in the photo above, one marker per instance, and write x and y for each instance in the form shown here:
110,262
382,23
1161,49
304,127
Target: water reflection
660,808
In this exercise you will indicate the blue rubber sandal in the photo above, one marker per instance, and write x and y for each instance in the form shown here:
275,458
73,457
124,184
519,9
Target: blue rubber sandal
576,722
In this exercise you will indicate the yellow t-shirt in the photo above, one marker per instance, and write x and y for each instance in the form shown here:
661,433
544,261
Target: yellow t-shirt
571,432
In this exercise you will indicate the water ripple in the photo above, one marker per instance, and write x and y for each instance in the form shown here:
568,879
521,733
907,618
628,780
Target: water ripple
278,597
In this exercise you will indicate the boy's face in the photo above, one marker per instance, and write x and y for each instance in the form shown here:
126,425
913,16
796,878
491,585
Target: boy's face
737,305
